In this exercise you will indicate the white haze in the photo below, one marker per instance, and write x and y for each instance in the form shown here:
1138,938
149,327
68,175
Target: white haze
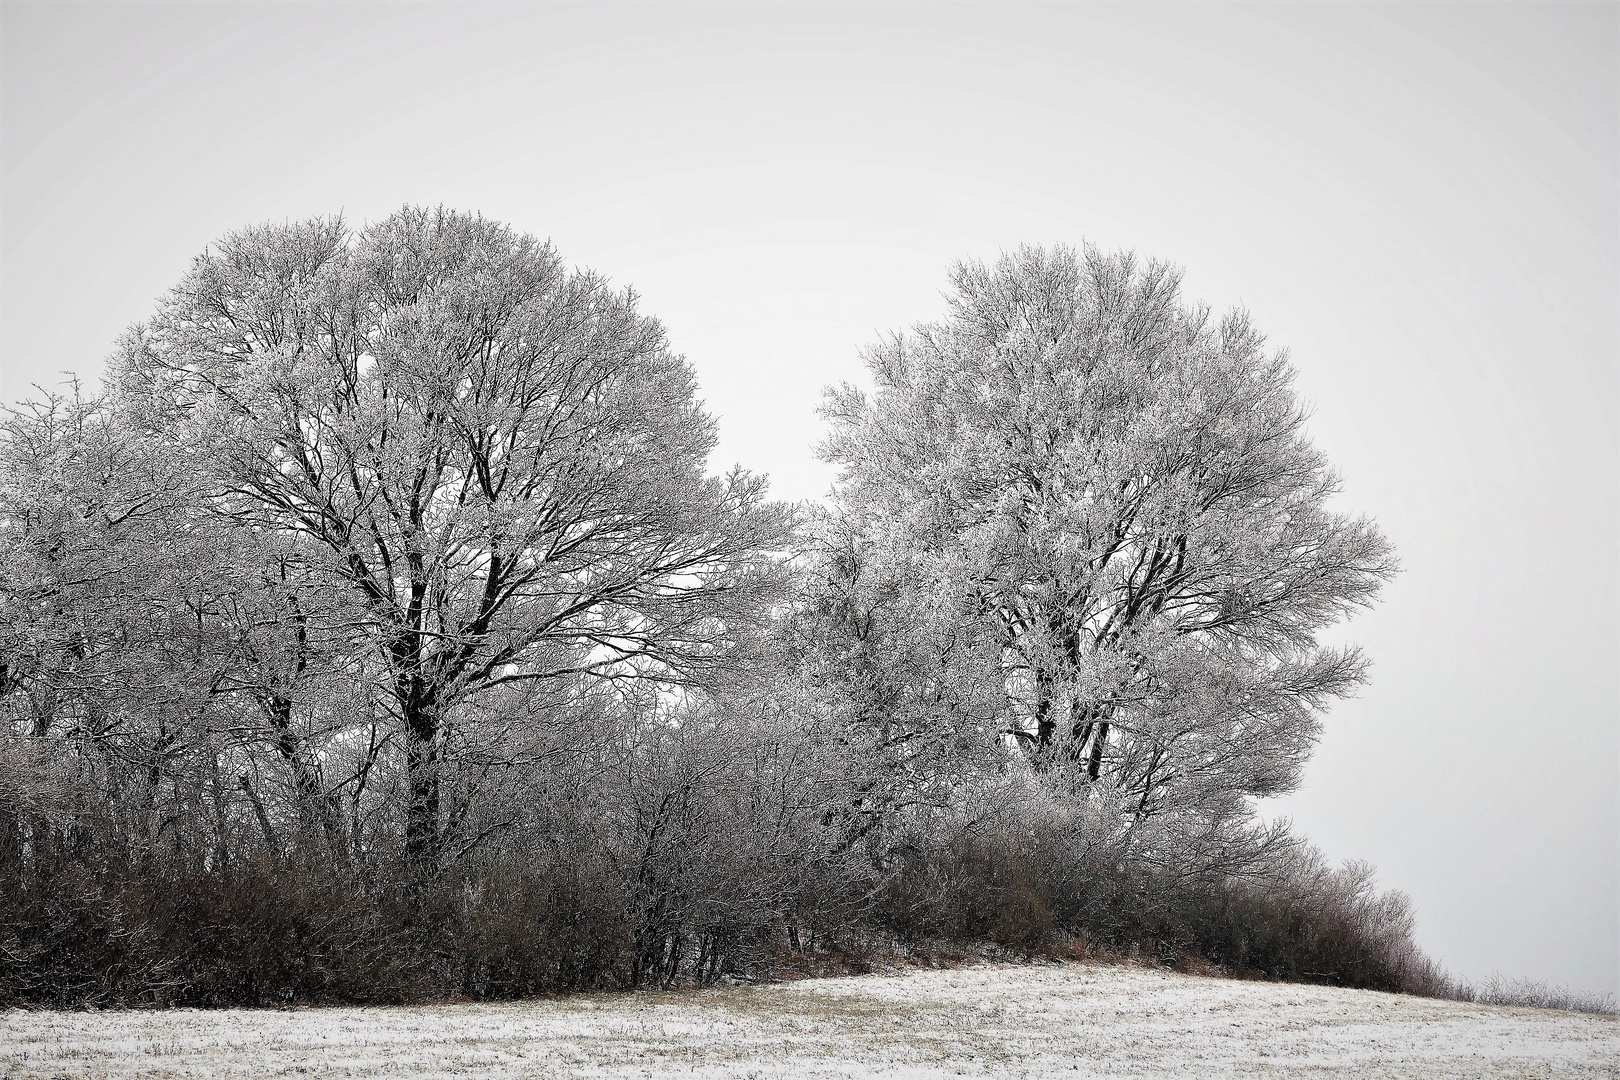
1418,201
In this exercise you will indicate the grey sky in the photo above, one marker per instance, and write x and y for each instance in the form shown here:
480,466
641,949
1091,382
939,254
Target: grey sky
1419,202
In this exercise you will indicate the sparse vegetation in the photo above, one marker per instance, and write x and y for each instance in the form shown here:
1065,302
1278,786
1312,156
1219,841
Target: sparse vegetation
1530,994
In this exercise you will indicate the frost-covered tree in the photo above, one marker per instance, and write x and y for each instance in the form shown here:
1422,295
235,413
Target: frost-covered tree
1121,489
106,652
484,472
900,689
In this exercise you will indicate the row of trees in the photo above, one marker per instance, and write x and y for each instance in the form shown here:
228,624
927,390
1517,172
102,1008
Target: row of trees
393,555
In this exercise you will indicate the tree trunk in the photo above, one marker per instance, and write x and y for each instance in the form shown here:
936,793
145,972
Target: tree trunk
423,837
318,810
1045,725
1099,738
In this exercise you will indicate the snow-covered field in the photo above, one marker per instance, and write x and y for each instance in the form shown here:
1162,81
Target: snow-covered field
1068,1020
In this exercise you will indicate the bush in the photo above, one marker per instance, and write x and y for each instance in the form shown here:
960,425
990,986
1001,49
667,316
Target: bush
1029,877
674,867
1529,994
119,931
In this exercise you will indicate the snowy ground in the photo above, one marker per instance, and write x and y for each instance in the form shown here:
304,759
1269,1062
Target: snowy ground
1068,1020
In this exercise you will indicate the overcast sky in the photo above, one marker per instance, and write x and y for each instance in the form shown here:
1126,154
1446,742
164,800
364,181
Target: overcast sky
1418,202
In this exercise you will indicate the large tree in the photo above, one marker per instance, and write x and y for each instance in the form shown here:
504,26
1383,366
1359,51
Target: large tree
483,473
1122,490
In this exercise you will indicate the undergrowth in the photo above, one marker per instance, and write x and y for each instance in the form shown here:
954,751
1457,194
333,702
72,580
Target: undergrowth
86,922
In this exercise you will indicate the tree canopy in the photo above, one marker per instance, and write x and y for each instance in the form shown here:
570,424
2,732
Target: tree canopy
432,458
1120,489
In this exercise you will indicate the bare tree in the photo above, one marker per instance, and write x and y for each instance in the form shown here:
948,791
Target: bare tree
141,635
1122,489
482,470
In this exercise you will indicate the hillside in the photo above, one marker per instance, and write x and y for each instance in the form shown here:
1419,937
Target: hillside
1071,1020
